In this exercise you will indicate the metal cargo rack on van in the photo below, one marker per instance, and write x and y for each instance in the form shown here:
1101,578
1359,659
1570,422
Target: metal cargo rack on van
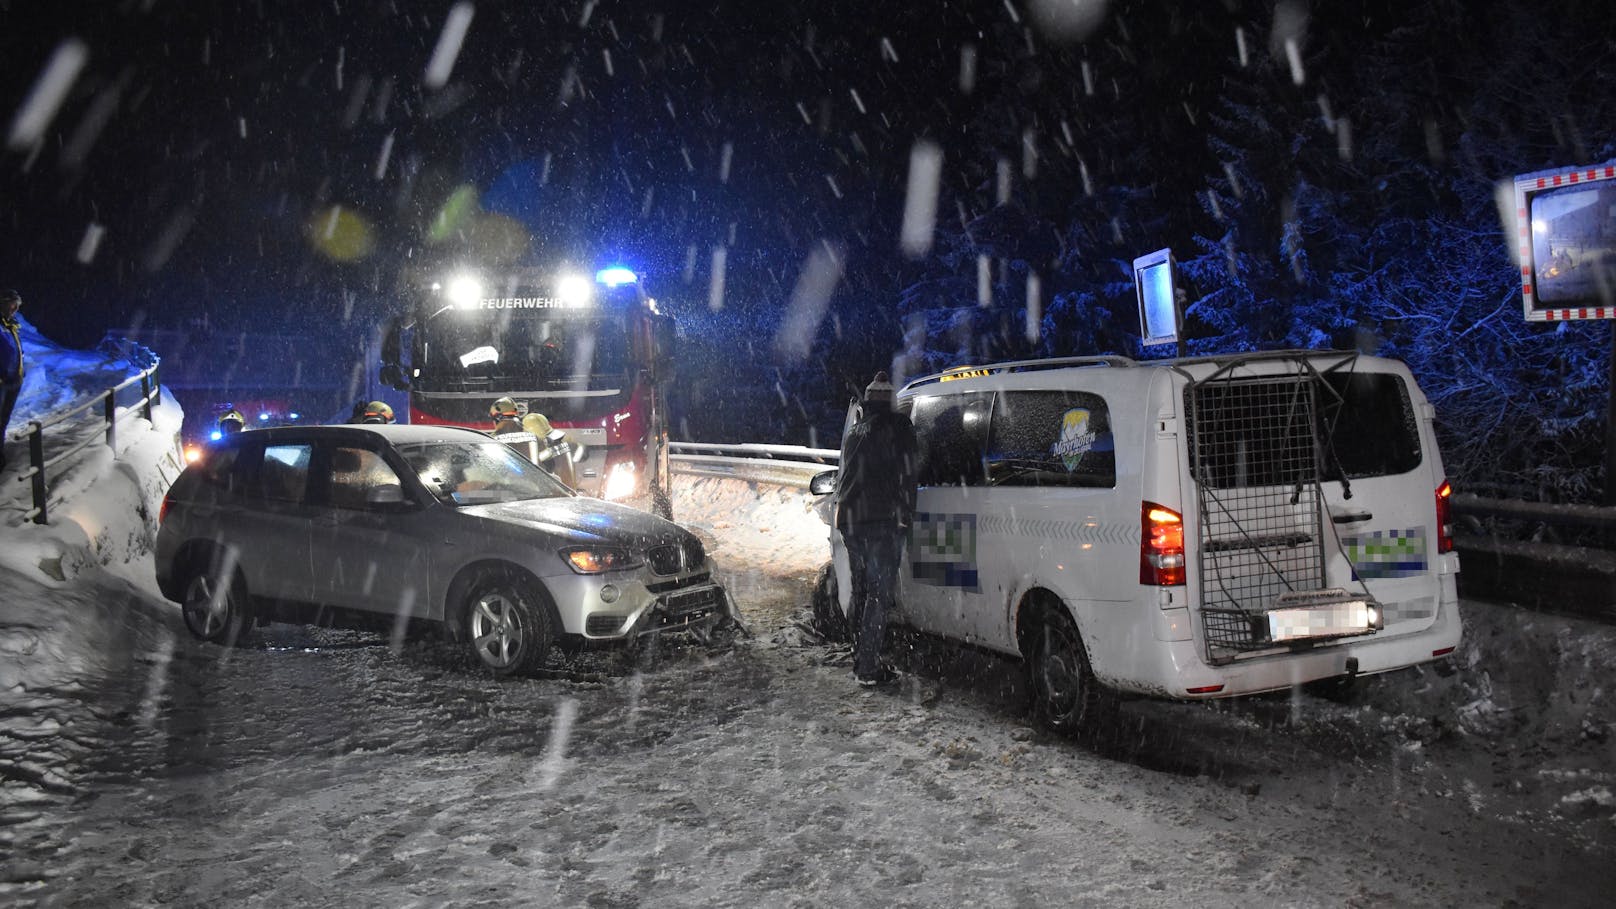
1260,449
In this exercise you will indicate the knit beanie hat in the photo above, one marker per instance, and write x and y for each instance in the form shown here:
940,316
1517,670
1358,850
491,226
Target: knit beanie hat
879,390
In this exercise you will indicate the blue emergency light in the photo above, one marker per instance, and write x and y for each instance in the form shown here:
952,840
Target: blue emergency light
263,417
616,275
216,435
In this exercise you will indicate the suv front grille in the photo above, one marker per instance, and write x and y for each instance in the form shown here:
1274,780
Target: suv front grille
665,586
666,560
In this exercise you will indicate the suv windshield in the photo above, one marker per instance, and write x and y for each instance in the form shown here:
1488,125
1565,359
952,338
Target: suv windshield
479,473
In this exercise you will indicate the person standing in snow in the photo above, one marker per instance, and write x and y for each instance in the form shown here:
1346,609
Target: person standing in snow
11,362
875,495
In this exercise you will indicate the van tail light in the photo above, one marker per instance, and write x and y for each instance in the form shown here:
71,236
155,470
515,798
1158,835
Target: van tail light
1161,546
1444,518
162,510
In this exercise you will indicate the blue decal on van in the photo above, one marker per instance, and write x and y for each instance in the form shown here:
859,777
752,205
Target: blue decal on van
942,550
1387,553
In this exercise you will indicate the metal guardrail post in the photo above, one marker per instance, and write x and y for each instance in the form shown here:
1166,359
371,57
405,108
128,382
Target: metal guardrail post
36,457
112,422
145,394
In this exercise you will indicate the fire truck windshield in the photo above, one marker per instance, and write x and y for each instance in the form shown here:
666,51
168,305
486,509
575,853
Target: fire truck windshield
521,349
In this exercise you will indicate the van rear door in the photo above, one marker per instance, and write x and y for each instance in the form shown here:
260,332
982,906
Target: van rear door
1380,493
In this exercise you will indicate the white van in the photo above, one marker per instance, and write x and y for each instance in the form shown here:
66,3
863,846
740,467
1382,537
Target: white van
1191,528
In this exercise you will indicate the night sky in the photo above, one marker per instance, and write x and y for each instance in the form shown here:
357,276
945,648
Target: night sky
204,146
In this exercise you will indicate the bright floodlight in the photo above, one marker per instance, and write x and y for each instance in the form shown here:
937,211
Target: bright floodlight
464,291
573,290
616,275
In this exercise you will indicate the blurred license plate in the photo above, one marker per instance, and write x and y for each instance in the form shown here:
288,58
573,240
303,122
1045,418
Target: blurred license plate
1321,614
692,600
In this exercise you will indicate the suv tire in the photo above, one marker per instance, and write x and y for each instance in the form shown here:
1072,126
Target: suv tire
506,629
216,611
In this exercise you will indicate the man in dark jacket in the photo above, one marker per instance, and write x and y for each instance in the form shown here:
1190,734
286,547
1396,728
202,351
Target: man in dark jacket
11,364
875,496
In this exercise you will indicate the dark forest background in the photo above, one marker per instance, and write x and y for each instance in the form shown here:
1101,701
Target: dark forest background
1344,195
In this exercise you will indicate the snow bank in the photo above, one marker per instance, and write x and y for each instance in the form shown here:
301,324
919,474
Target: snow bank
103,510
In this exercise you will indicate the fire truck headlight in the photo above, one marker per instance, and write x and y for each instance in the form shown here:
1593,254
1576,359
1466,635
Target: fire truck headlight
620,482
464,291
573,290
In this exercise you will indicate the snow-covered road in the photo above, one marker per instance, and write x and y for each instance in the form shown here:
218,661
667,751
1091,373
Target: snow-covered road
329,769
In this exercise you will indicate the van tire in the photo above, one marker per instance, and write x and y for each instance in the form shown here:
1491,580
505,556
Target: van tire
1065,695
828,618
506,628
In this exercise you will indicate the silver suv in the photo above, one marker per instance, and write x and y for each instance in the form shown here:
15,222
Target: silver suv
389,525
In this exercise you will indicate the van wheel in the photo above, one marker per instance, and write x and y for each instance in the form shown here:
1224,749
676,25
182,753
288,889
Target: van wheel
828,618
1065,695
509,633
216,611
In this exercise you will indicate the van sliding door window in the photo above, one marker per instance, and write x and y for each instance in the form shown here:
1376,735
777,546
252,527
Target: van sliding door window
952,430
1051,438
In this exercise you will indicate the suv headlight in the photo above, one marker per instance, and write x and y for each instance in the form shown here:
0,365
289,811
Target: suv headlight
596,559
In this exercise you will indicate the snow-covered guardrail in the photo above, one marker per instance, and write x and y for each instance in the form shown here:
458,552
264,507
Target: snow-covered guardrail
784,465
71,443
1503,558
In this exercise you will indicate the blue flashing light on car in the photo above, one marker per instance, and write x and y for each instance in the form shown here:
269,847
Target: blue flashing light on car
216,435
616,275
263,417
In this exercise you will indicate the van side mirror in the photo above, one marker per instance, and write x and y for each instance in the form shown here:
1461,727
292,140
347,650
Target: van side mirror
823,483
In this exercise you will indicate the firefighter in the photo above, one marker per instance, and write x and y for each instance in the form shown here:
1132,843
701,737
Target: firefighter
508,429
557,449
231,422
377,412
506,416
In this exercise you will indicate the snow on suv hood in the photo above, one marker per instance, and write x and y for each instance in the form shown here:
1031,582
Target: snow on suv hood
587,520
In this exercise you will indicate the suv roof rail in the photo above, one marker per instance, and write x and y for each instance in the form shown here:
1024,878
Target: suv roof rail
969,372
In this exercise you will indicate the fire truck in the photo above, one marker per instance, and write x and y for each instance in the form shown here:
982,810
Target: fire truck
593,353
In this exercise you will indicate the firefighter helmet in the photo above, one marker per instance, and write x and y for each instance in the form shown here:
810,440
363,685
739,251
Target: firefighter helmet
502,408
377,412
537,424
232,421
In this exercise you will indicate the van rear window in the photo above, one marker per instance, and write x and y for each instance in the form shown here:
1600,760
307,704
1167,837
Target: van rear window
1292,429
1371,426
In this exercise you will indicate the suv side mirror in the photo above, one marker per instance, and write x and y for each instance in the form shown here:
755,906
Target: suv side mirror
823,483
390,494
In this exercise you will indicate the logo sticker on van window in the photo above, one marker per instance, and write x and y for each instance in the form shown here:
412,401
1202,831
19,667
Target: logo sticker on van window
942,550
1077,438
1387,553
